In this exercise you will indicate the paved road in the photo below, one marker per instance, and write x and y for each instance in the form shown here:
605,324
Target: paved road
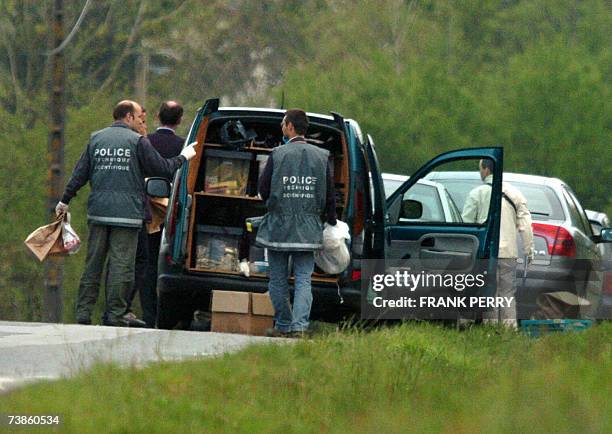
33,351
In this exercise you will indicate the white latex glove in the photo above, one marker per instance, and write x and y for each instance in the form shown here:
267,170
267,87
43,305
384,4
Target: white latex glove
189,151
244,268
61,208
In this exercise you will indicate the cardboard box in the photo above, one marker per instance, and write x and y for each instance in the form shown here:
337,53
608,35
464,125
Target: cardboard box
217,247
261,304
241,312
227,172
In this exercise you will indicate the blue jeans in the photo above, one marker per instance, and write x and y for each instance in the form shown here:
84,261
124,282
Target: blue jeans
287,319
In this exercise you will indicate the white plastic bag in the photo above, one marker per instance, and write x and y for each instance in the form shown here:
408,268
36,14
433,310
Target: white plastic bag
72,242
335,256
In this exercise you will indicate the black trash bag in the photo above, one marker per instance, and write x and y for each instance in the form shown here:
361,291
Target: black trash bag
234,135
269,142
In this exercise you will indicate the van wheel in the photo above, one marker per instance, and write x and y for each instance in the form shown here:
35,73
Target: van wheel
168,311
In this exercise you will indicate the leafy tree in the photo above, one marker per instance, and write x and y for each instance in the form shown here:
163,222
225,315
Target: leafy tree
421,76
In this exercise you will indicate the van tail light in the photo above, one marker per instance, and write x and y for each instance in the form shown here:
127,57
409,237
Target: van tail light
607,282
356,275
558,240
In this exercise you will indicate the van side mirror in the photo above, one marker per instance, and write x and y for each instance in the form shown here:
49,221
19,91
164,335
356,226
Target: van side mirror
411,209
158,187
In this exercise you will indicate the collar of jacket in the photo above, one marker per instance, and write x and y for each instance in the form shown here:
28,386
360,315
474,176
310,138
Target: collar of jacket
165,130
488,179
120,124
297,139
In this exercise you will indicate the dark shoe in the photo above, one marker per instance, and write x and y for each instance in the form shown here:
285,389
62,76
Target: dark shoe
132,321
127,320
84,321
201,321
275,333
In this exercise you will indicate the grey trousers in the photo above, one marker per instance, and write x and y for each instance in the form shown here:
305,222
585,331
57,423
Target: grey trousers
115,246
506,287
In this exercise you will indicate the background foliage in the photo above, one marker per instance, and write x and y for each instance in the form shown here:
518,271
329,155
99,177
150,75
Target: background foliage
421,76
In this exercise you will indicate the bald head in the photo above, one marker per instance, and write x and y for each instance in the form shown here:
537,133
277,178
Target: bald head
123,108
170,114
129,112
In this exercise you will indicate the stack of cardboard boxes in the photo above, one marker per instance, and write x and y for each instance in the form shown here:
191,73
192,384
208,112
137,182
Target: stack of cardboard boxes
241,312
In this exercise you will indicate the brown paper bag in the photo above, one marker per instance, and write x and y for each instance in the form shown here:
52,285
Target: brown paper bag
158,214
47,240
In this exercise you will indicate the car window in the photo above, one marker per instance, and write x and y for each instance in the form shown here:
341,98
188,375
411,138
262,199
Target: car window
429,198
470,199
542,201
573,211
583,222
455,213
596,228
391,185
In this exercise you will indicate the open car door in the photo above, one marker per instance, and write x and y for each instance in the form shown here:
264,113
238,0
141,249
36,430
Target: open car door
437,264
178,217
377,218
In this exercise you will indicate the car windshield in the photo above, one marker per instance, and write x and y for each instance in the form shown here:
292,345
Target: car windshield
391,185
459,189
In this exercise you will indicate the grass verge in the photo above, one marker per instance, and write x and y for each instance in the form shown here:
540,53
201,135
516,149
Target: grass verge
415,378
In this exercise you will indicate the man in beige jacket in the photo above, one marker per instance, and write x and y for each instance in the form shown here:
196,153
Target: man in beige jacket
515,220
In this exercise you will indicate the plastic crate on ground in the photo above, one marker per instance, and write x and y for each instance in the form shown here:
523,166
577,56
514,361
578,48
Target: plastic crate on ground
539,327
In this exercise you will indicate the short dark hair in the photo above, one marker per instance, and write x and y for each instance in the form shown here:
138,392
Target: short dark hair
122,109
487,163
298,118
170,114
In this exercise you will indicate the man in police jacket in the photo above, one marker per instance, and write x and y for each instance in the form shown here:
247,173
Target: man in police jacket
298,187
115,163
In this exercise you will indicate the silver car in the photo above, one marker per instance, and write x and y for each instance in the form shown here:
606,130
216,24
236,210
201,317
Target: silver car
567,257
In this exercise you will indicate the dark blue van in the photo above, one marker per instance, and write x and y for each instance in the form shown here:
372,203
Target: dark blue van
216,191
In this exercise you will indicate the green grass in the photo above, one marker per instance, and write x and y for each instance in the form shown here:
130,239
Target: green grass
416,377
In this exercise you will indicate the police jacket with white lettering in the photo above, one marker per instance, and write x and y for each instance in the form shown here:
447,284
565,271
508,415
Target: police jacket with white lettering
115,162
297,197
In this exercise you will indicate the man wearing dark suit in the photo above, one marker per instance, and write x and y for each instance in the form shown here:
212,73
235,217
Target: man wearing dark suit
167,143
165,139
